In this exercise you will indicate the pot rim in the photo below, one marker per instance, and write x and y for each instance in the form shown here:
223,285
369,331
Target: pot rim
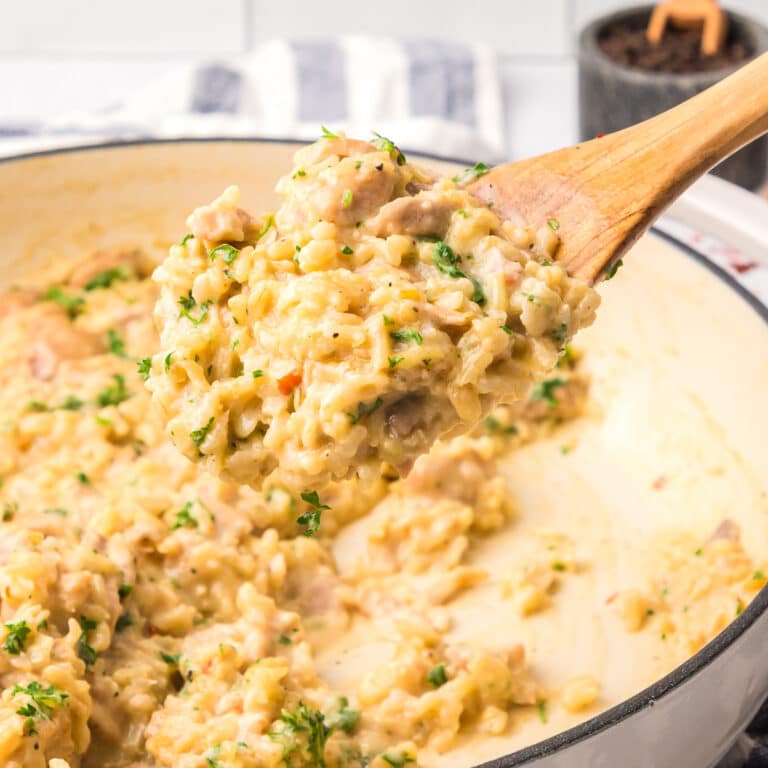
659,688
590,51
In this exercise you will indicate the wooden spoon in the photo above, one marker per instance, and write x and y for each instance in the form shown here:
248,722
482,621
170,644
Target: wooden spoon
601,195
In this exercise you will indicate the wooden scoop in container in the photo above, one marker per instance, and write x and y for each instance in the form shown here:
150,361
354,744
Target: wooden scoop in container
601,195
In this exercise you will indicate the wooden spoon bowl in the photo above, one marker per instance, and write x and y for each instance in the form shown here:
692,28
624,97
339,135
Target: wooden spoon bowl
601,195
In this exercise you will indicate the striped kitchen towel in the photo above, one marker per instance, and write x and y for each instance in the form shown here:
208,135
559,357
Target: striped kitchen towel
429,96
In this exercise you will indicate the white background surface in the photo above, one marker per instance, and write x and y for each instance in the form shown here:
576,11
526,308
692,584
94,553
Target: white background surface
65,56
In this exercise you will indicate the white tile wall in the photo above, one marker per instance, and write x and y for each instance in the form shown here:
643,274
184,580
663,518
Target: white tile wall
61,56
516,27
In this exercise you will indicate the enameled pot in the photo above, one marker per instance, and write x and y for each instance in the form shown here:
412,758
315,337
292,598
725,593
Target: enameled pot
59,205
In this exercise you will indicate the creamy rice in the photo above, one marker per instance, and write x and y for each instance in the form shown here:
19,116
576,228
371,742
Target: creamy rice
376,309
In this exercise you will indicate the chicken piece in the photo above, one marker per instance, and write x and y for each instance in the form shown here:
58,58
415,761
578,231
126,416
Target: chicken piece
341,147
16,299
57,339
130,264
224,222
422,215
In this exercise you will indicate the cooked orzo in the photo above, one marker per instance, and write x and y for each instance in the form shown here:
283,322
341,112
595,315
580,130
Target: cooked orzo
376,309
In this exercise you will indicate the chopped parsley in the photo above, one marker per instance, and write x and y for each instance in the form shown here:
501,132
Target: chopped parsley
506,329
387,145
346,198
268,224
308,723
212,760
541,708
463,214
9,510
184,518
344,719
108,276
437,676
86,652
393,361
72,304
758,575
124,590
124,621
397,761
41,704
167,362
284,640
326,134
145,366
257,374
57,511
301,173
197,436
311,518
188,303
229,251
387,320
475,172
699,552
446,260
558,566
186,237
553,224
560,334
116,343
613,269
346,250
407,334
115,393
170,658
16,637
82,478
545,390
71,403
493,425
364,410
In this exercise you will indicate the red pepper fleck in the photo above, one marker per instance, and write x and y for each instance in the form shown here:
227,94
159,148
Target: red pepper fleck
599,135
743,266
150,630
288,383
659,483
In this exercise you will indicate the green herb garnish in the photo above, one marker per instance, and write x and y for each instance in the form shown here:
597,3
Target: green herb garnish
124,621
43,701
407,334
230,253
541,708
16,637
364,410
545,390
393,361
108,276
387,145
257,374
268,224
186,237
311,518
446,260
346,250
344,719
115,393
553,224
72,304
170,658
397,761
145,366
307,725
188,303
198,435
184,518
326,134
346,198
475,172
84,651
437,676
613,269
116,343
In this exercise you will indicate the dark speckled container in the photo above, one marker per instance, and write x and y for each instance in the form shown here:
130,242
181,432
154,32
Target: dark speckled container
613,96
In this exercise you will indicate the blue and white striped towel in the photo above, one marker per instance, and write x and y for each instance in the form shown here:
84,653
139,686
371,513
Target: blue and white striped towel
429,96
